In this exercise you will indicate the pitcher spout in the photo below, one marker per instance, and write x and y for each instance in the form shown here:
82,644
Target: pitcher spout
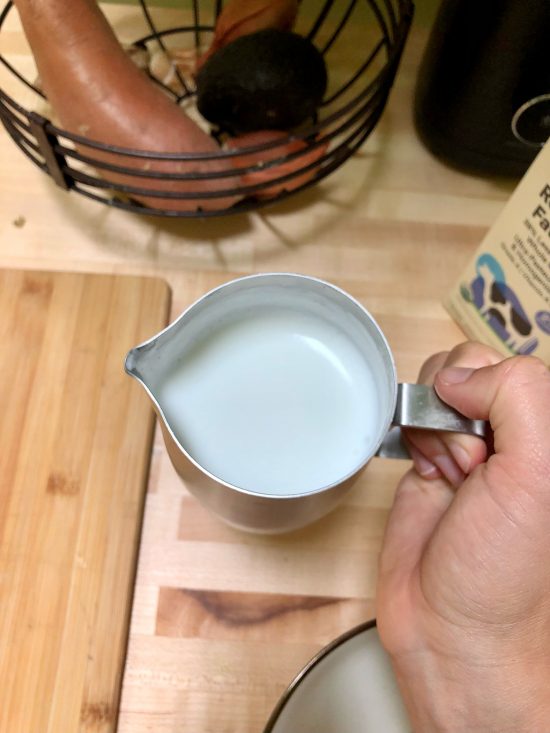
131,363
136,358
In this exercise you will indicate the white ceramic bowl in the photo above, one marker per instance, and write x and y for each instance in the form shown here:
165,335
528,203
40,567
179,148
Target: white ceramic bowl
348,687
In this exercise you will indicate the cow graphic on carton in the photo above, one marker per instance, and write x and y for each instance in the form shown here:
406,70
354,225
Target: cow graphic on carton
499,306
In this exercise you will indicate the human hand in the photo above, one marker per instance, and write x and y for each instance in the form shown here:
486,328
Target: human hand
449,455
464,586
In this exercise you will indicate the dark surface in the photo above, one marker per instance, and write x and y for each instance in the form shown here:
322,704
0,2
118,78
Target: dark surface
271,79
483,62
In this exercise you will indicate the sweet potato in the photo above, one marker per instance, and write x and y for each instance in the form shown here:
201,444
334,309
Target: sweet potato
98,92
264,175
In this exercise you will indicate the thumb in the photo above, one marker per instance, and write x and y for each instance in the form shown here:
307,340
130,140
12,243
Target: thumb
514,395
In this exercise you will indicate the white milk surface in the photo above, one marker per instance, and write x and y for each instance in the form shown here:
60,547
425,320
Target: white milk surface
278,402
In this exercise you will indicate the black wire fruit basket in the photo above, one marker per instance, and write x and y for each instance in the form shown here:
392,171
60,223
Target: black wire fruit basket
374,30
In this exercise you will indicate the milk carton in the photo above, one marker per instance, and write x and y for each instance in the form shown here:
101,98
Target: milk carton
503,296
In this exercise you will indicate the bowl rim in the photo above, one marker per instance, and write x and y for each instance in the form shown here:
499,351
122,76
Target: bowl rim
313,662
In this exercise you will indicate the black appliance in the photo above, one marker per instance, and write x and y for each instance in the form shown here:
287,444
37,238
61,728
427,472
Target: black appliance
482,100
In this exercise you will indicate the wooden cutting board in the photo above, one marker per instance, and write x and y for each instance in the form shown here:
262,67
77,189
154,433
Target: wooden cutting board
75,437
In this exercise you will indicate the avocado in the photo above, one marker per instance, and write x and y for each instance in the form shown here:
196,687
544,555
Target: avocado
268,80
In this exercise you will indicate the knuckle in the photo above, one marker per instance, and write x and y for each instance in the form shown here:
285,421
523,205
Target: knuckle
524,370
431,366
465,348
474,354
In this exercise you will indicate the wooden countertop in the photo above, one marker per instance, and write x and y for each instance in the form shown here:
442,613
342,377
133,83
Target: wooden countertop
222,620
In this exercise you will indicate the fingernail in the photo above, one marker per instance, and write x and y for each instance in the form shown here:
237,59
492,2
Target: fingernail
461,456
449,469
455,375
424,467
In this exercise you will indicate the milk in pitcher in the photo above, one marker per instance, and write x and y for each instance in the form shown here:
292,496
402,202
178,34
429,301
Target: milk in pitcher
276,402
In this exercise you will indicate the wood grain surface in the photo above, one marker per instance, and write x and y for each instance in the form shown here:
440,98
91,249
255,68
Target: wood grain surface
76,440
222,620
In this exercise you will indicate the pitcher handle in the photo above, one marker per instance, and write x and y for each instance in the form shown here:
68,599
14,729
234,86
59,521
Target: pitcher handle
418,406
